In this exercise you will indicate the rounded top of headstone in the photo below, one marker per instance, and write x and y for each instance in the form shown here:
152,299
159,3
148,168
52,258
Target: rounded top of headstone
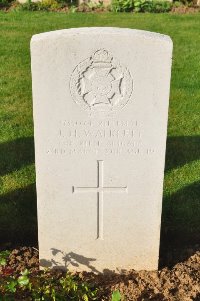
103,31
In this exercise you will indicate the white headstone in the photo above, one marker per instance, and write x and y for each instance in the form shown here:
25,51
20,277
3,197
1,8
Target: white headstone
100,113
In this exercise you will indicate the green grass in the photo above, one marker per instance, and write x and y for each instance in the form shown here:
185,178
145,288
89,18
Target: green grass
181,205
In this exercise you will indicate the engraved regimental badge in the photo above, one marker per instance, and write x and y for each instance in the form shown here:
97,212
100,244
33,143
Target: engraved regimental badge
100,83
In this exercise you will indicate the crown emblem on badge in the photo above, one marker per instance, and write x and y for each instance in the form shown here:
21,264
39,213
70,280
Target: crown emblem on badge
100,83
101,57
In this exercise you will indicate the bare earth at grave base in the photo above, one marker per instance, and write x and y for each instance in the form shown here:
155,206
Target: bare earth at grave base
182,282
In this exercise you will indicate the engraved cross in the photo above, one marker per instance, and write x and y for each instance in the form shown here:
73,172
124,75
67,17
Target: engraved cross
100,189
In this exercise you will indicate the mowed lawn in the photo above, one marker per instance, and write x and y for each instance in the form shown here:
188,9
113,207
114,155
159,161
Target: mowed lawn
181,201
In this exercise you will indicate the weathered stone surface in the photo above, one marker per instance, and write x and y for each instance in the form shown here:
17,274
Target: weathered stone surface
100,113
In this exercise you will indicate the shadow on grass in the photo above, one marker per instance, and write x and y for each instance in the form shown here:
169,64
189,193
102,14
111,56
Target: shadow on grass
180,226
16,154
181,150
18,217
